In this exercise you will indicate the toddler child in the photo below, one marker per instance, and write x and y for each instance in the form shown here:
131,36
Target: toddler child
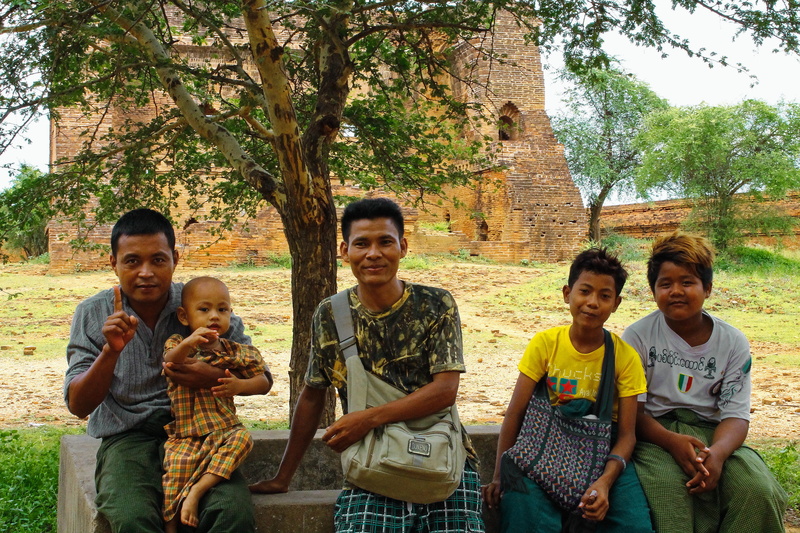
693,420
206,442
571,357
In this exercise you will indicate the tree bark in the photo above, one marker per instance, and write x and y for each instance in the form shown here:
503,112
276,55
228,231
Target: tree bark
312,244
595,208
594,221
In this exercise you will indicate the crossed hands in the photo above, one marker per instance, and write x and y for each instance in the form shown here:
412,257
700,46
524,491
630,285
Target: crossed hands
697,461
120,327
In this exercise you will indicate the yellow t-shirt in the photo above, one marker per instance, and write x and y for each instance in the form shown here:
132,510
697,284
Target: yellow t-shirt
571,374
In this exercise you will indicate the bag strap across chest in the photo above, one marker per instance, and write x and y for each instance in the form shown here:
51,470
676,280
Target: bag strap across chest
343,318
365,389
603,407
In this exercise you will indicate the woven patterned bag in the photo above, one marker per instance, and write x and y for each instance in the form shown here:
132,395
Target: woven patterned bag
565,455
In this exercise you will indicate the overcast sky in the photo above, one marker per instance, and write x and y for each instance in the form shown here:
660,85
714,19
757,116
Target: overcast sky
678,78
688,81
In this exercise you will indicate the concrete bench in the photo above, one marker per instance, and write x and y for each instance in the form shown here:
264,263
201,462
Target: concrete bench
306,508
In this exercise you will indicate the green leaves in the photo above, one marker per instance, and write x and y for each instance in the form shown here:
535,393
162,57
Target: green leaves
711,154
24,213
605,110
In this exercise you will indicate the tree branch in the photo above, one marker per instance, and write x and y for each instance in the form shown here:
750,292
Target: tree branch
383,28
261,180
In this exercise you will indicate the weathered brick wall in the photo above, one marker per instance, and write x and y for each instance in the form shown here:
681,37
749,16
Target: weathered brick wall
529,210
650,219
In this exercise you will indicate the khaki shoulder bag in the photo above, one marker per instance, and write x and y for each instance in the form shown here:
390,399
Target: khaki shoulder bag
420,460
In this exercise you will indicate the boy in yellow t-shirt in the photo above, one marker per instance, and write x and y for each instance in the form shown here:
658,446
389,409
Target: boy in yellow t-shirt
572,356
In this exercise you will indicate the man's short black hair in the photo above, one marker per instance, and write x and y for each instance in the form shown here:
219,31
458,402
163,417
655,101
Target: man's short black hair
370,209
599,261
142,222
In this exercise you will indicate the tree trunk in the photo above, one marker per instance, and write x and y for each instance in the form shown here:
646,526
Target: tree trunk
594,221
595,208
312,244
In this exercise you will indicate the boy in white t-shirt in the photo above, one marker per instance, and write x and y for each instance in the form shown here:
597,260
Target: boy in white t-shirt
694,418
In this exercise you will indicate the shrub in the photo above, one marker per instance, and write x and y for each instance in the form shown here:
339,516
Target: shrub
784,462
628,249
29,470
746,260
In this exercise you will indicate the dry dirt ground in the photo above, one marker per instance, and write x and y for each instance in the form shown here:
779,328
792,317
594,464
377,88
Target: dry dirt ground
495,335
31,394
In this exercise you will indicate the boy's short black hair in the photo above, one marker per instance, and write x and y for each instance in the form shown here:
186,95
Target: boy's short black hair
370,209
142,222
690,251
599,261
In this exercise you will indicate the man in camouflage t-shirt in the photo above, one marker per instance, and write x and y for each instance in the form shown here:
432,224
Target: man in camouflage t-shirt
409,336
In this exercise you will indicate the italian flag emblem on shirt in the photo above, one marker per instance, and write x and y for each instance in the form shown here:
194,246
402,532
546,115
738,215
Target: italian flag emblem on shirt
685,382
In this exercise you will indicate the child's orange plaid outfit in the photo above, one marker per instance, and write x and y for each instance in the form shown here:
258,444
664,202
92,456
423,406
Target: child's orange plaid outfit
206,435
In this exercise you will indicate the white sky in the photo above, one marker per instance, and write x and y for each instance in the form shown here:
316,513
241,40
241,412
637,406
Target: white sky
686,81
678,78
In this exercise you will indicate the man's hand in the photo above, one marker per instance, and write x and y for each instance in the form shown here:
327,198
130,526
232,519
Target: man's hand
194,374
120,327
491,494
348,430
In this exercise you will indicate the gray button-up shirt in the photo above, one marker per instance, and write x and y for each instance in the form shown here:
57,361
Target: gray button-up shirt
137,389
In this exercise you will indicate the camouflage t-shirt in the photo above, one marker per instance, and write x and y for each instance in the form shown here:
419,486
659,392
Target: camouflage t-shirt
418,336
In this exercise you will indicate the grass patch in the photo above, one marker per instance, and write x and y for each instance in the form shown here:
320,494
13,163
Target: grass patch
271,260
417,262
270,337
784,462
438,227
29,470
464,255
43,259
756,261
265,424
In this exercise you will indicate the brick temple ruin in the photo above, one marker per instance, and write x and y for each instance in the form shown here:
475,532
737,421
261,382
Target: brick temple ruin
529,210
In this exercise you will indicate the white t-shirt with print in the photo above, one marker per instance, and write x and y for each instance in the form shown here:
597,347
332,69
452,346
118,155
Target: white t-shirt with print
712,379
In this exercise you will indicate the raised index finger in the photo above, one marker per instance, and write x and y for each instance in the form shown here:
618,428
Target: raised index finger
117,299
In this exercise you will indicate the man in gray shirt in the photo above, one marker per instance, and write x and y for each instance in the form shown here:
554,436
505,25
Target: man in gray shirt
115,378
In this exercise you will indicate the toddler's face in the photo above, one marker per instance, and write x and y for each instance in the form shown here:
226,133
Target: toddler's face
209,306
679,293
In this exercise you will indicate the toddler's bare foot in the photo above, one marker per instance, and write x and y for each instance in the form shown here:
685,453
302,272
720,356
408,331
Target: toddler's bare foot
189,509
